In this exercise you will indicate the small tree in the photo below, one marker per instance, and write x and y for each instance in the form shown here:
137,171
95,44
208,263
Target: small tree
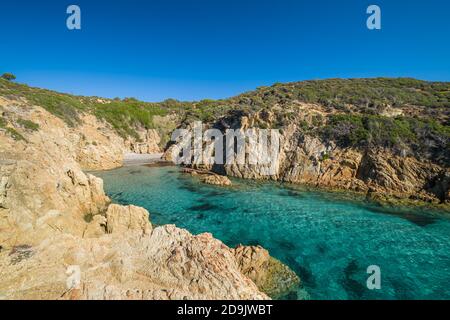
8,76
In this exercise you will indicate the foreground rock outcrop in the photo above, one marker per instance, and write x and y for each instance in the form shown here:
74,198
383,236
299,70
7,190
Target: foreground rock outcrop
164,263
60,238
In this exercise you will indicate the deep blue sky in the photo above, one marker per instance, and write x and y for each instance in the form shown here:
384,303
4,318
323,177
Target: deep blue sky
193,49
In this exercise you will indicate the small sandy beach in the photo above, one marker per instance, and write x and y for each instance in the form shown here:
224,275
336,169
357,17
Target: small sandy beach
133,159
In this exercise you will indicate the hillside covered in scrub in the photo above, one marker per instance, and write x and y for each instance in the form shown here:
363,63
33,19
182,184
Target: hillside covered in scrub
388,138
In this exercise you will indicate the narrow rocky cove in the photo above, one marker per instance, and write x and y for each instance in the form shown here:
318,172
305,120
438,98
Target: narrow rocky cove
224,231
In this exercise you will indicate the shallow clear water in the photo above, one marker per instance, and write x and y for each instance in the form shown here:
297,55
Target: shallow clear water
327,240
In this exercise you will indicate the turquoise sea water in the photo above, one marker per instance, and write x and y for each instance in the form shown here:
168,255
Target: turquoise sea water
327,240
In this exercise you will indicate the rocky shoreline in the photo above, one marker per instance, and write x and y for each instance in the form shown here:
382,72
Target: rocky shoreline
384,201
379,174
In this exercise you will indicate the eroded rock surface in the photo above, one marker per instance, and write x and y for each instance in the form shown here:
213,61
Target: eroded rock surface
167,263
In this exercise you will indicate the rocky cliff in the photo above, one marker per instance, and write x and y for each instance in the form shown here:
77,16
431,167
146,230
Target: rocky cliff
379,172
61,238
416,172
386,138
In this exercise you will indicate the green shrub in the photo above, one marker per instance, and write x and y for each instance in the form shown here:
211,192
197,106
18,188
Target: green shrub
346,130
11,131
8,76
88,217
425,136
125,116
28,124
15,135
363,93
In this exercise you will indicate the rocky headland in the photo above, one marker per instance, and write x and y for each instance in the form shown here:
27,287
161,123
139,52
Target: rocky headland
388,139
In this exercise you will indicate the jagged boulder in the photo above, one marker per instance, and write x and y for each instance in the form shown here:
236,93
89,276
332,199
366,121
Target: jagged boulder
121,219
217,180
269,274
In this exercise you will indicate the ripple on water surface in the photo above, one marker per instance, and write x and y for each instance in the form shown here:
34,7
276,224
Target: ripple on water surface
328,241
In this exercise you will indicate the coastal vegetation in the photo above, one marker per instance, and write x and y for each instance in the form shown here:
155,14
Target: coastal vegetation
423,135
11,131
28,124
354,111
8,76
366,94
